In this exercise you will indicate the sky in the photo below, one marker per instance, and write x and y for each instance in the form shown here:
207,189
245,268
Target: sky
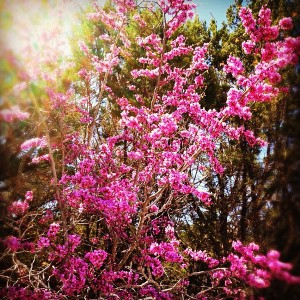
216,8
22,22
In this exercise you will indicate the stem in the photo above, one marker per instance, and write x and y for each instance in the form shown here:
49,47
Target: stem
53,169
156,90
102,89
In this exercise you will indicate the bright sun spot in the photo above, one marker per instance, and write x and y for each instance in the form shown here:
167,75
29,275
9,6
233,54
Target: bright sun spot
32,25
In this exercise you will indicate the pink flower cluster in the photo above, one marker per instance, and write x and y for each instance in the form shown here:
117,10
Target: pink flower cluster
43,242
73,275
167,250
12,114
234,66
274,55
33,143
16,244
29,196
47,217
124,185
202,256
151,292
263,267
53,230
17,293
83,47
60,100
178,11
13,243
261,29
97,257
41,158
286,24
18,208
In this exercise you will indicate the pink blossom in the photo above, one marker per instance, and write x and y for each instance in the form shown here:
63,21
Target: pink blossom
20,87
41,158
132,87
73,275
135,155
48,216
120,191
83,47
234,66
153,208
29,196
265,16
140,20
247,19
53,230
74,241
267,267
19,207
97,257
170,232
12,114
157,268
248,46
33,143
13,243
82,73
286,24
43,242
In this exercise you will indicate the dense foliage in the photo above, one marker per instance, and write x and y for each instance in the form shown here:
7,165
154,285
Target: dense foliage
143,172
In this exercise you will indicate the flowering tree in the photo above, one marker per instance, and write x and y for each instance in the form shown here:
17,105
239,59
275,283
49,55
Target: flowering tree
110,230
